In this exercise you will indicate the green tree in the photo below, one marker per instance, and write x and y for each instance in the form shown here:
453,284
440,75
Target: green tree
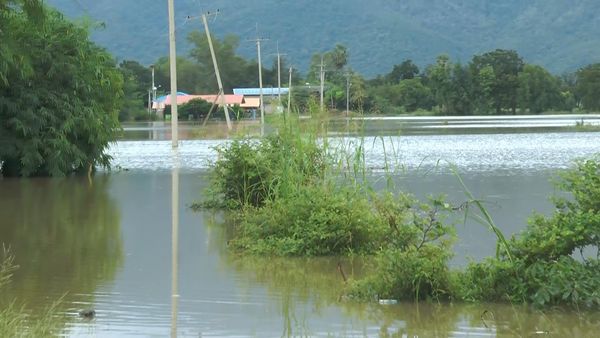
506,65
235,70
137,82
412,95
439,77
334,65
197,108
59,113
334,61
538,90
190,78
405,71
460,97
587,87
13,54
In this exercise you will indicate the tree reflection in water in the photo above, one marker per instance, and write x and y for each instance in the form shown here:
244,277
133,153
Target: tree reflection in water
66,237
317,283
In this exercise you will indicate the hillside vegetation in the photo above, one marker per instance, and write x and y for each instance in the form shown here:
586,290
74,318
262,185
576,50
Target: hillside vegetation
559,35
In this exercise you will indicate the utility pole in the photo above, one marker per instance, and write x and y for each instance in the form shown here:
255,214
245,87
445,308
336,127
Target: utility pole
290,93
260,84
322,78
348,75
149,102
214,59
173,71
153,85
279,55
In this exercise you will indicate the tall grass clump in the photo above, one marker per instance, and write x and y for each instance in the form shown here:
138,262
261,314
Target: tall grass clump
547,263
15,321
250,172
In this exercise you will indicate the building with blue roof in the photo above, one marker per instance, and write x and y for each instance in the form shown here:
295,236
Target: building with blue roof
270,91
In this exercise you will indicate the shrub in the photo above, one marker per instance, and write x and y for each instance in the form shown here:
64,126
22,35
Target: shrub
414,263
314,220
542,270
250,172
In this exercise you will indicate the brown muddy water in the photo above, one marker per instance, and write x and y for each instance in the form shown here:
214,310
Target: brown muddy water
107,244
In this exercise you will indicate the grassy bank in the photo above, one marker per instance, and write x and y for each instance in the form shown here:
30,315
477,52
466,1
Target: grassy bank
297,193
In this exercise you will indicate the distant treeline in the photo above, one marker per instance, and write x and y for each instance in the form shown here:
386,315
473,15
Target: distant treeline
496,82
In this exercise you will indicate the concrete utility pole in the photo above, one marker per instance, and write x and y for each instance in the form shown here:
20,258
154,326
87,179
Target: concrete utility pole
322,78
348,75
153,85
214,59
290,93
279,55
173,71
149,102
260,84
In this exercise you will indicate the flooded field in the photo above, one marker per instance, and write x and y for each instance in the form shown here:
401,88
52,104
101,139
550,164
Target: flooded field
108,244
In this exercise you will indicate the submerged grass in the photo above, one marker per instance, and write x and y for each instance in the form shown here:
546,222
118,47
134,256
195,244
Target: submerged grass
15,320
297,193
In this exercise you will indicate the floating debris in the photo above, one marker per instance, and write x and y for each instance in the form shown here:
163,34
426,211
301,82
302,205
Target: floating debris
89,314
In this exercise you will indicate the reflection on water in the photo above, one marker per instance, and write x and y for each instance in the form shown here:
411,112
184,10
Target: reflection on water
374,126
174,245
66,238
314,284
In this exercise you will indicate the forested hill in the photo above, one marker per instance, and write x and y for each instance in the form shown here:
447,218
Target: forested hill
560,35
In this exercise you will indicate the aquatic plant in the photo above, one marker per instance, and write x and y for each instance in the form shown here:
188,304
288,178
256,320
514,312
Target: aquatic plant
297,193
250,172
543,269
314,220
15,321
413,265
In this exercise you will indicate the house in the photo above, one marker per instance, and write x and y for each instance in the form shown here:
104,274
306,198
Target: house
230,100
183,98
270,96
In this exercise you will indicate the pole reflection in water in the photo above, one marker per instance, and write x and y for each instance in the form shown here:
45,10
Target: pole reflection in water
174,241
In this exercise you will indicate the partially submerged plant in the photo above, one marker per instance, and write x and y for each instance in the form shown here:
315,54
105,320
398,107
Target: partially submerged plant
539,266
413,265
300,195
15,321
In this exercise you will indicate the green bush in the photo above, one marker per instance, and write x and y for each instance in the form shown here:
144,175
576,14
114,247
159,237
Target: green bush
314,220
413,264
543,271
250,172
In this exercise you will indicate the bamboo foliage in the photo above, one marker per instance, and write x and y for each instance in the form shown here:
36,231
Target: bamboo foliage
59,95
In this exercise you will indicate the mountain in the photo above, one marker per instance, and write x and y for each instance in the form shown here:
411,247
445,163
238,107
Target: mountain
560,35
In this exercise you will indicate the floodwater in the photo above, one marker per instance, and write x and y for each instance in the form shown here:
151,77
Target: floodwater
113,244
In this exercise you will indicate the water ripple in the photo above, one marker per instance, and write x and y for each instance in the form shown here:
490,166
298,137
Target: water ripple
474,153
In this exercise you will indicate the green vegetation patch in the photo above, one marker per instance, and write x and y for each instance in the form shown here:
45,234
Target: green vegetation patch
314,220
544,269
59,94
294,194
